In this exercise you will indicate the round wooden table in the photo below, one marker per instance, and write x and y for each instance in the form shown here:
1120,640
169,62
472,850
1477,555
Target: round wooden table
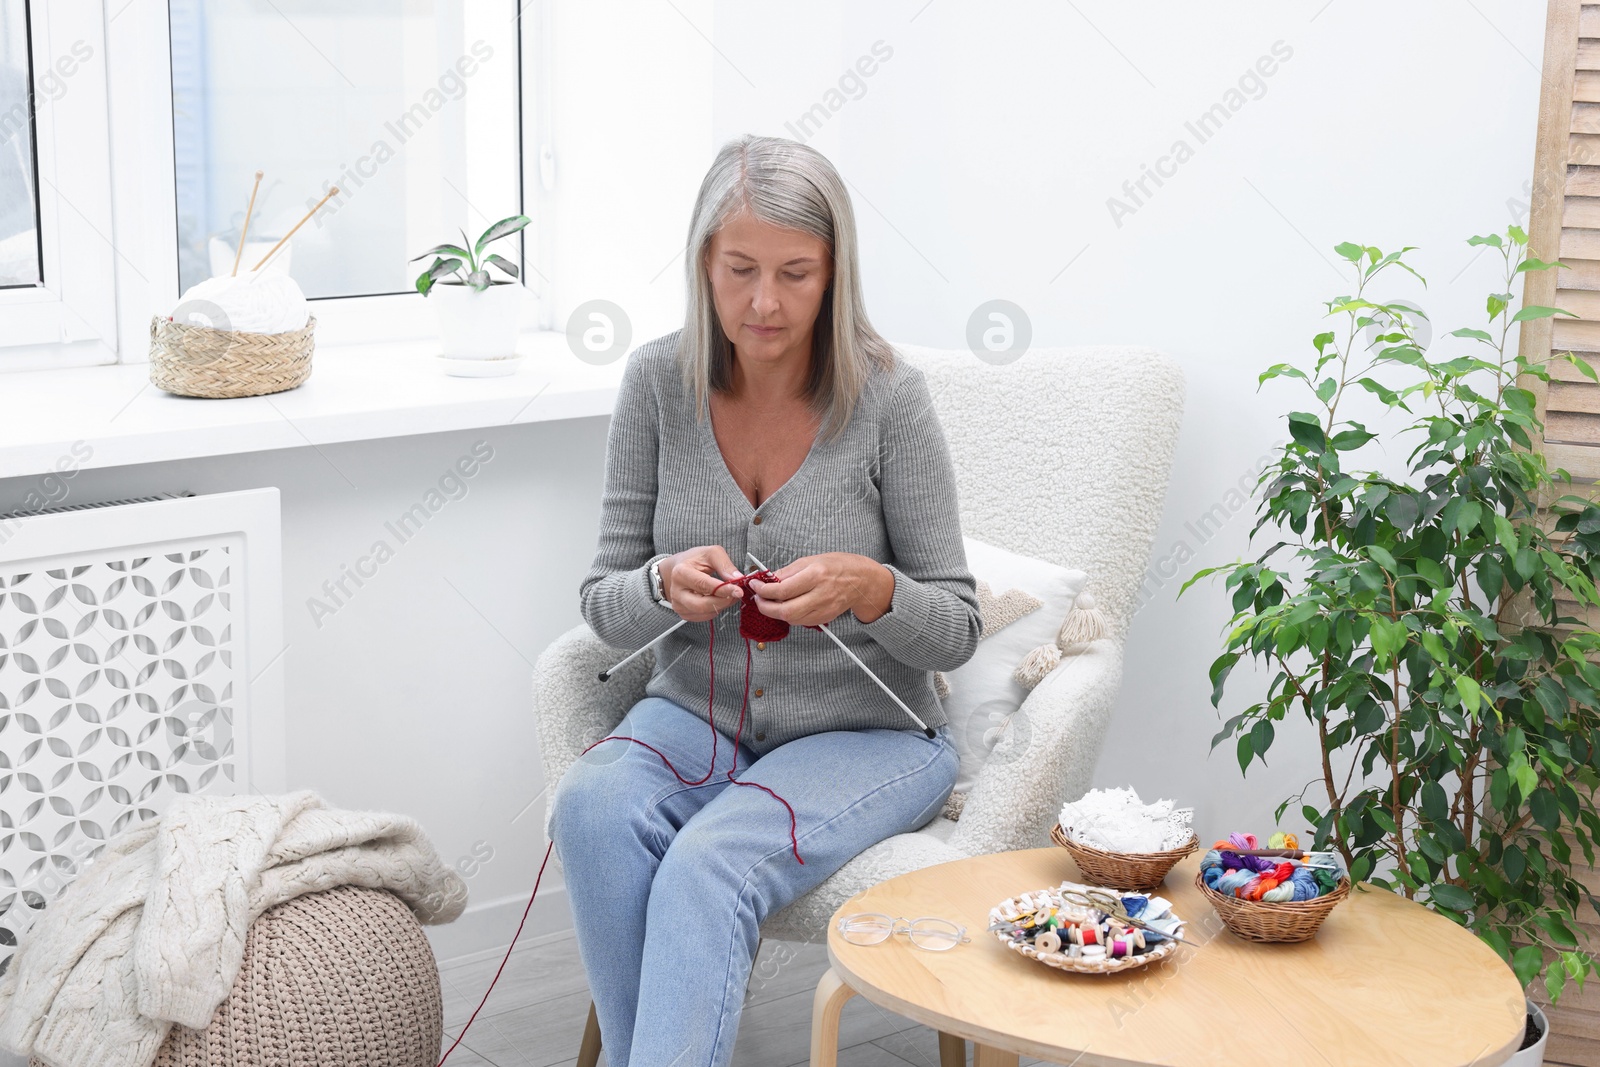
1385,981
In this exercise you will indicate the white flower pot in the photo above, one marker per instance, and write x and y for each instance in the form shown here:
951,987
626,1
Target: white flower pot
1533,1055
478,330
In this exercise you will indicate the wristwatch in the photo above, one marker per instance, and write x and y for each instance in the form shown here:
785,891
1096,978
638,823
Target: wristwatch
655,585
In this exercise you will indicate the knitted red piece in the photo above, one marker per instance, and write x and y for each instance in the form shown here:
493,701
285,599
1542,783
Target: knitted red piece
753,625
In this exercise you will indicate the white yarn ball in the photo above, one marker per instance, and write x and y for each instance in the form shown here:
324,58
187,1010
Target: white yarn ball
257,302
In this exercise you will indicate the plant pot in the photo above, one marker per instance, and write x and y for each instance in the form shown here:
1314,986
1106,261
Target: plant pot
1533,1055
478,330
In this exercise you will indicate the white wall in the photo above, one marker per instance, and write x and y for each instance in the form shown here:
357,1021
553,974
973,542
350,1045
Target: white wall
981,156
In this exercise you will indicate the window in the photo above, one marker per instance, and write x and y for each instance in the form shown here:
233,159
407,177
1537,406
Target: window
410,110
21,258
57,273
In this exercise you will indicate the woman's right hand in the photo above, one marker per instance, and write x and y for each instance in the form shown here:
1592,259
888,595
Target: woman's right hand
689,579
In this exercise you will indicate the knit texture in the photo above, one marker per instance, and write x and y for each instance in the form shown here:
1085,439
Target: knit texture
343,977
884,489
153,931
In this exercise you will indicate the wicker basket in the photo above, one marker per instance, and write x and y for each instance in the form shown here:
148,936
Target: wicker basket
1271,921
201,361
1139,872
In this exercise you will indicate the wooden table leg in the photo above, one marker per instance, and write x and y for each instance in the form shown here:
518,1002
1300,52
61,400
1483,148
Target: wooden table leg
825,1008
984,1056
952,1050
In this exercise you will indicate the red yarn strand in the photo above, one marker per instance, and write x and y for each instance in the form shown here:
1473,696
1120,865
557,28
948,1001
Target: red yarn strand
461,1036
766,629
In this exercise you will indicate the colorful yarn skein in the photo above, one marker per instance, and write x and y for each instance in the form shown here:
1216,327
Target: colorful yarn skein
1260,877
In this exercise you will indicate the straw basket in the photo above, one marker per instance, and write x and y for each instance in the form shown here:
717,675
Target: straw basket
201,361
1139,872
1272,921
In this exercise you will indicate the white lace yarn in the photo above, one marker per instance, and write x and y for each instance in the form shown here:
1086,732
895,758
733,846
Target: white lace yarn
1118,821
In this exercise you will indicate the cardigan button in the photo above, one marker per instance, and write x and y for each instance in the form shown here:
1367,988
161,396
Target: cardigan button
761,735
758,692
761,646
756,520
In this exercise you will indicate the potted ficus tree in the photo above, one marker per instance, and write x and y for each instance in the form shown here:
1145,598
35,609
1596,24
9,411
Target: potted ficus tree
1429,622
477,312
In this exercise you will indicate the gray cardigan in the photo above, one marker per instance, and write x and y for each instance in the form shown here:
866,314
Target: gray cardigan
884,488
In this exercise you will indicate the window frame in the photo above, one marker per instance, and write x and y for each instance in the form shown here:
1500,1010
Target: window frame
70,317
124,127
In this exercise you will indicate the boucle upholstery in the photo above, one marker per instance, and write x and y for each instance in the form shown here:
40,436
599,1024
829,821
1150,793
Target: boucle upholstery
337,978
1063,454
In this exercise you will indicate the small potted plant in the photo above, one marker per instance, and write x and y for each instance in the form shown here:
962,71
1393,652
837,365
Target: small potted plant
477,313
1429,620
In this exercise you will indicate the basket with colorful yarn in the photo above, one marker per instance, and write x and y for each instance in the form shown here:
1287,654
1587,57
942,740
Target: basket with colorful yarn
1270,898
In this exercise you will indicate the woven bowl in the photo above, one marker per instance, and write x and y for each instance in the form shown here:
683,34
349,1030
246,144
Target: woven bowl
200,361
1271,921
1061,961
1140,872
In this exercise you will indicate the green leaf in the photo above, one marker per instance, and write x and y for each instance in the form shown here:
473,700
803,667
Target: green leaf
503,263
1527,962
1582,365
1349,251
1558,930
1506,533
1261,738
1246,752
1470,692
1476,335
439,250
1219,674
1452,896
503,228
1307,431
1534,311
1434,805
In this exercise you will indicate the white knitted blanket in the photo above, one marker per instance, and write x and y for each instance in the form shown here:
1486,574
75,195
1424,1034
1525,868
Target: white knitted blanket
152,931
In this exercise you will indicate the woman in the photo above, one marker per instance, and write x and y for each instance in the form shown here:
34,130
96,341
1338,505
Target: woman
777,426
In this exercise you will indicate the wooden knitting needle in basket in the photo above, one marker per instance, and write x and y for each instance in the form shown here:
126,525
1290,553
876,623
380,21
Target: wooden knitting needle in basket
333,191
245,231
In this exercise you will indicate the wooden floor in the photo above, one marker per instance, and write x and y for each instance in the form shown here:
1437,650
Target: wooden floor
535,1016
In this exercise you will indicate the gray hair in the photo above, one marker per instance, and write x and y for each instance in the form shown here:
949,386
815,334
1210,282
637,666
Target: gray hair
788,184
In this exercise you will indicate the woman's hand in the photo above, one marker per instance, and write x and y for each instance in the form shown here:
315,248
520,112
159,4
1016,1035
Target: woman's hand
689,580
818,589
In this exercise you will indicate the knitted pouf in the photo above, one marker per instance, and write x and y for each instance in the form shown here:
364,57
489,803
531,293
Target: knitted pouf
340,978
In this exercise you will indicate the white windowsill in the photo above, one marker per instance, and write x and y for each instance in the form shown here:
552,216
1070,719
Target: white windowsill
354,393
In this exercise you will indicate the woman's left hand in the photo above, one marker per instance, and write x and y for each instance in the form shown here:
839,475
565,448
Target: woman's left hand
818,589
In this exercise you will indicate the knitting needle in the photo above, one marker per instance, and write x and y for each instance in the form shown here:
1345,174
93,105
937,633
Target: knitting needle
605,675
333,191
824,628
245,232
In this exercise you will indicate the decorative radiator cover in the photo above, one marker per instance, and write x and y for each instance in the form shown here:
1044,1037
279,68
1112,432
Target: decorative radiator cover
141,656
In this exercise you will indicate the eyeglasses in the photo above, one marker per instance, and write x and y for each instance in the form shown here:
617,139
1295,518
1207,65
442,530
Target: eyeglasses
870,928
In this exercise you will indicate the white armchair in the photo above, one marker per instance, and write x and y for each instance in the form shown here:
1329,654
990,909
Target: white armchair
1063,455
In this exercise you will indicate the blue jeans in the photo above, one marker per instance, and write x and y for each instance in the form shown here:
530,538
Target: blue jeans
669,883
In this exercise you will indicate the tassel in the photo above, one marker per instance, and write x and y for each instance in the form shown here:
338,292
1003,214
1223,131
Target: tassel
1083,624
1035,665
941,685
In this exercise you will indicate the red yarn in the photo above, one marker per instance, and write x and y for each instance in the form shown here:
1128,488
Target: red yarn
753,626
